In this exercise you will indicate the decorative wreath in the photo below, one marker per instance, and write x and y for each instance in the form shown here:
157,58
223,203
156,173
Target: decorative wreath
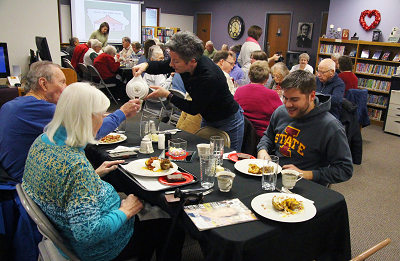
370,14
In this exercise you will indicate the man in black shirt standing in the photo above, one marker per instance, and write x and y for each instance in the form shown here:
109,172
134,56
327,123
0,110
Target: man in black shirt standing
204,81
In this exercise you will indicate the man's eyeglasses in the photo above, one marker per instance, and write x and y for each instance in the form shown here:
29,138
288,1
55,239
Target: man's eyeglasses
231,63
323,72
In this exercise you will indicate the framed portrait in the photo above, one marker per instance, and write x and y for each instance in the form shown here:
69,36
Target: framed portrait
304,34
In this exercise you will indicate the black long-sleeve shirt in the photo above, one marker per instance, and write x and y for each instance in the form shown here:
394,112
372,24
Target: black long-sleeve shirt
207,87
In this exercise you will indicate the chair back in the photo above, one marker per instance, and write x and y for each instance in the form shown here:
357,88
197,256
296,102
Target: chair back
250,138
8,94
207,132
175,113
70,75
45,227
85,72
93,72
68,64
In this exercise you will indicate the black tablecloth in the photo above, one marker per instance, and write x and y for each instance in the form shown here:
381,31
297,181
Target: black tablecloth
324,237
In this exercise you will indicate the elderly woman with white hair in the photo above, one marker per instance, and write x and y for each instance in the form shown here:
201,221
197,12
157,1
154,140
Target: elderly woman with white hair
279,71
86,210
156,54
335,57
303,64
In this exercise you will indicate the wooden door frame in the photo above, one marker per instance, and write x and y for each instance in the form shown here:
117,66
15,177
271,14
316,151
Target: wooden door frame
266,28
195,22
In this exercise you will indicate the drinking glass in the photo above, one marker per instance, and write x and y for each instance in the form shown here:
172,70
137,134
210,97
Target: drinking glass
269,172
217,148
207,170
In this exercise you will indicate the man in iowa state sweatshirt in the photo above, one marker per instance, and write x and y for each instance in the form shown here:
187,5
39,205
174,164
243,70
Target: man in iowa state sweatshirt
305,135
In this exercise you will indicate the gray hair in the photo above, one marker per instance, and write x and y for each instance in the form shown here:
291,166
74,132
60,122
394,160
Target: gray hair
305,56
280,67
126,39
137,45
209,43
187,45
335,56
109,49
154,51
95,43
259,72
38,70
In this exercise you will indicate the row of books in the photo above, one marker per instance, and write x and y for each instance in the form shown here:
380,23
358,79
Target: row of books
164,39
374,84
148,31
377,100
377,69
374,114
330,48
165,32
377,55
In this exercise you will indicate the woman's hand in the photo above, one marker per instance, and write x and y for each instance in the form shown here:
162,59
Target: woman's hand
158,91
139,69
131,206
131,107
108,166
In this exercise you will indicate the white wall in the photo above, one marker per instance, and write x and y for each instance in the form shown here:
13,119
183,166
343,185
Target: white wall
22,21
183,22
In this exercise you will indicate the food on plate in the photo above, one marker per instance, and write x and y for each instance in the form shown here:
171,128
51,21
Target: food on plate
287,204
154,137
110,138
156,164
255,169
176,152
242,156
175,178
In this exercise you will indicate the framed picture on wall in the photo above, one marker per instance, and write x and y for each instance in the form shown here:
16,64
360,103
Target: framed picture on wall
304,34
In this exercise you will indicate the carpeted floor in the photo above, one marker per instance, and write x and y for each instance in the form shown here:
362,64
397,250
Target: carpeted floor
371,196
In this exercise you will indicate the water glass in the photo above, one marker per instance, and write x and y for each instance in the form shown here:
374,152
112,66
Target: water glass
207,170
269,172
217,148
122,127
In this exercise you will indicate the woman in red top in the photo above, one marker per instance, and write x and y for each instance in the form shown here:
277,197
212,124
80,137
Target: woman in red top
257,101
348,77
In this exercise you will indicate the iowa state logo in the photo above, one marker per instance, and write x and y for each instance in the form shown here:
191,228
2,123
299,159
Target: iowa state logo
289,143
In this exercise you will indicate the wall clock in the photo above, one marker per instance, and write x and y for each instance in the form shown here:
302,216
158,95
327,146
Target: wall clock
236,27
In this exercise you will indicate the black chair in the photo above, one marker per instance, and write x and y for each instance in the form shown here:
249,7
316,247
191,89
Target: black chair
85,72
67,64
8,94
101,84
250,138
175,112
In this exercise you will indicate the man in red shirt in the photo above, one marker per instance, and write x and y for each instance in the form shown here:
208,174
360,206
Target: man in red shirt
79,52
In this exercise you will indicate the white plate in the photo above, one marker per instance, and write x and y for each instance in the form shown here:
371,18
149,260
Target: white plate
243,166
123,137
262,204
138,167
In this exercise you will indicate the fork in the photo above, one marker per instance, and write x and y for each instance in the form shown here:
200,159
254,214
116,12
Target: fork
287,191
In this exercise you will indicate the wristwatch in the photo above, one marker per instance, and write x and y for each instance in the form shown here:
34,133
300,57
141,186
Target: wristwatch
170,96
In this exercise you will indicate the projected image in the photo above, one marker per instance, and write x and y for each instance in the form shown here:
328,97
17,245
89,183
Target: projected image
124,19
115,19
2,61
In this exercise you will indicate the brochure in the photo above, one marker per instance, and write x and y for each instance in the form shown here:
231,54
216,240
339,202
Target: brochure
397,57
386,55
365,54
353,53
377,54
219,214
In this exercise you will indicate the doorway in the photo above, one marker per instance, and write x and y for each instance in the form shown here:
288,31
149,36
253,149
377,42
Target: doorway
203,27
324,23
277,36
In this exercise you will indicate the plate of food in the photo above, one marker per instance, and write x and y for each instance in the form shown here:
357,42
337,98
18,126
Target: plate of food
283,207
253,167
152,167
113,138
235,157
177,178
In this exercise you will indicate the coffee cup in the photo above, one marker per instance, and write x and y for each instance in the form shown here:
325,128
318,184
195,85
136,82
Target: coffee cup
203,149
290,177
225,180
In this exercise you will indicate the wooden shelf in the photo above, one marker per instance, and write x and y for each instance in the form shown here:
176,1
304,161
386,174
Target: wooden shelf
374,75
377,60
373,90
376,106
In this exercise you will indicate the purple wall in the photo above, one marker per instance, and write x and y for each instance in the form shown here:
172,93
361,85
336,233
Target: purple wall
351,10
179,7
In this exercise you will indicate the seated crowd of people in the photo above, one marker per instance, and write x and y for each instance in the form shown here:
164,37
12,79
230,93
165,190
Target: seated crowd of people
295,114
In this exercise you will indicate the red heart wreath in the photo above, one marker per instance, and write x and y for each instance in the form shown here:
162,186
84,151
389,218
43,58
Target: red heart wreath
370,14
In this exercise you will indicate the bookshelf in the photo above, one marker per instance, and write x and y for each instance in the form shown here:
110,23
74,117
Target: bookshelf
162,33
373,74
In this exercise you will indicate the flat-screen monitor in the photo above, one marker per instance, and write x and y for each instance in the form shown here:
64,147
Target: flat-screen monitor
43,50
4,64
292,58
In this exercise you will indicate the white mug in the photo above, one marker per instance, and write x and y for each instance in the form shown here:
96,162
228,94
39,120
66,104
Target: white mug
290,177
225,180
